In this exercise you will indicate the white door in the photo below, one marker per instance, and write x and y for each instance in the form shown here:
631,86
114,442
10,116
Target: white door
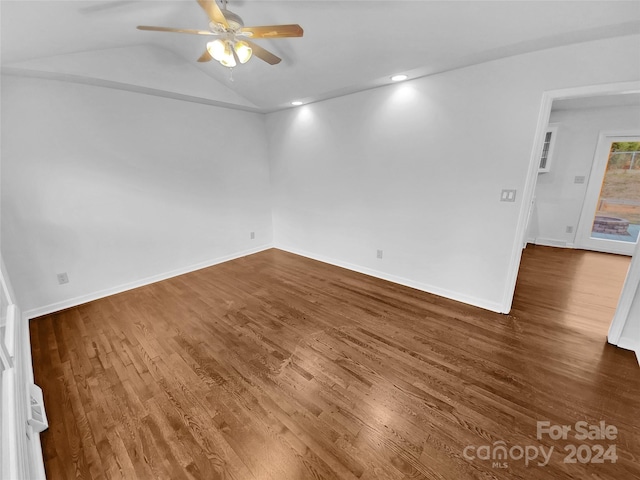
610,219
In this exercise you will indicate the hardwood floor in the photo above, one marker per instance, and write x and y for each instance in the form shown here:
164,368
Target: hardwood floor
275,366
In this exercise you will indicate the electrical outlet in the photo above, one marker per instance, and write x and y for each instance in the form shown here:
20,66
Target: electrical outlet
253,235
569,229
579,179
508,196
379,254
63,278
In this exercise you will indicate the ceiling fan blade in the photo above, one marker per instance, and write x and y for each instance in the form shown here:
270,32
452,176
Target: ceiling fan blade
263,54
274,31
214,12
205,57
176,30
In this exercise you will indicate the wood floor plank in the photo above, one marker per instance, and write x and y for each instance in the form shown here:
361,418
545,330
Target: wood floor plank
275,366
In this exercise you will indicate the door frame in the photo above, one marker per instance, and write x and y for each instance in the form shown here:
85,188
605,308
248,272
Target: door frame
629,290
598,171
548,98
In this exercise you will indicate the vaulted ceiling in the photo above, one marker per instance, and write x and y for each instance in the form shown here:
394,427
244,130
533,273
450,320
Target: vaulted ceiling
347,46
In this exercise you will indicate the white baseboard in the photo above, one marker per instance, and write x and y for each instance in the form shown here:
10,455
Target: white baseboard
73,302
551,242
476,302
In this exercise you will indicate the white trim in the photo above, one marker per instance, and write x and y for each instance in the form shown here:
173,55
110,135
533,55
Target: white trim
24,377
6,284
6,362
615,247
478,302
33,426
73,302
10,465
551,242
629,290
628,344
10,330
532,176
36,466
17,459
31,448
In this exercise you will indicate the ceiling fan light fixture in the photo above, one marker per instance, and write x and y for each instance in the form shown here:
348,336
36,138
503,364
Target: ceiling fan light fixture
223,52
228,61
216,49
243,50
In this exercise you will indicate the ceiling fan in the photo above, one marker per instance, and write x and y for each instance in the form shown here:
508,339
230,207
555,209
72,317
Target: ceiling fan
233,45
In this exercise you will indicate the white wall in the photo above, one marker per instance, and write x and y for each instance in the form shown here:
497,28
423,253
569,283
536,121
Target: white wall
416,169
115,187
558,199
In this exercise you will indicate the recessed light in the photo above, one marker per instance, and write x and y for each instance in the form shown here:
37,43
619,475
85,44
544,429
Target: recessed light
296,103
399,78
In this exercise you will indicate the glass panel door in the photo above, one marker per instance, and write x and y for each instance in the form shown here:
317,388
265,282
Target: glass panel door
617,215
610,217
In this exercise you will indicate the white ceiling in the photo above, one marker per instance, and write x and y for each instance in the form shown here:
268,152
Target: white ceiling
347,46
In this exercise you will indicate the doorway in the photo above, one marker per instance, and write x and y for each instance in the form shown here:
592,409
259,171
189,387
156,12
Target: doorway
610,220
530,185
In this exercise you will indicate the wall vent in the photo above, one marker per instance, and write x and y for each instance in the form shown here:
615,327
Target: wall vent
547,148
